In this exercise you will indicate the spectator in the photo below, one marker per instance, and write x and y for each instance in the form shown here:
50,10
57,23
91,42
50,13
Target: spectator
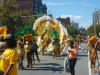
72,55
34,50
9,58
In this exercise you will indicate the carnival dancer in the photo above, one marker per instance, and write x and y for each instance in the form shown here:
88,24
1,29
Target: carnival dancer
92,57
76,44
97,47
2,46
56,50
42,45
21,51
72,55
28,53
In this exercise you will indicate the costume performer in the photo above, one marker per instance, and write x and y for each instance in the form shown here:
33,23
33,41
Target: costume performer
21,52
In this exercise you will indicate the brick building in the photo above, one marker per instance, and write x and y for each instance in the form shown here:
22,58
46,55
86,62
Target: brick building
64,20
36,6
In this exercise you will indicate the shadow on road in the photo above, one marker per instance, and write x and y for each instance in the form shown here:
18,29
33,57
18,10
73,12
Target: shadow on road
51,67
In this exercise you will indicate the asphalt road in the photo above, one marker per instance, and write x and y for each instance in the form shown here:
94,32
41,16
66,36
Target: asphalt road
50,66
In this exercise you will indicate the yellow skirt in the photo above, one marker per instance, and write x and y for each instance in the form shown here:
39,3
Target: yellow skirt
21,51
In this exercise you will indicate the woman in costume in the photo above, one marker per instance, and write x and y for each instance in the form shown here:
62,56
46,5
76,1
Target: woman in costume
28,53
92,57
42,45
92,51
21,52
56,49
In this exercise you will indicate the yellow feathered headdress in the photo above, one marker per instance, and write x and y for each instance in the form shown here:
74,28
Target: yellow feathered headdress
29,37
3,31
92,40
78,37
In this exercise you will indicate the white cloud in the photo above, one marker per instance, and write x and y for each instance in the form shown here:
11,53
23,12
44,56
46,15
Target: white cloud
52,3
72,17
85,4
86,24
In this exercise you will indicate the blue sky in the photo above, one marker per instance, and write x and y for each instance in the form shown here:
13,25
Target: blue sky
79,11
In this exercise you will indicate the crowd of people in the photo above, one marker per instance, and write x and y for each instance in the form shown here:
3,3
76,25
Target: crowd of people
13,52
94,54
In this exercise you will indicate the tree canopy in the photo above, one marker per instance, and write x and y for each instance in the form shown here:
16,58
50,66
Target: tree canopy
11,15
71,31
90,29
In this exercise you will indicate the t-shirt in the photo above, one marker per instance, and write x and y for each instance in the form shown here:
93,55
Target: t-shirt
9,56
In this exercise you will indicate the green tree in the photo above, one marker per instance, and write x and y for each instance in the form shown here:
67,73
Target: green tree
33,19
11,15
71,31
90,30
98,30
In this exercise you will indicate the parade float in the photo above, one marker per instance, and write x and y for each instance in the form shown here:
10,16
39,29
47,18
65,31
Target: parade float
48,29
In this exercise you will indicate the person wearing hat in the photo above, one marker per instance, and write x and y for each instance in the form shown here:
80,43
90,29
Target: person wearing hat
9,58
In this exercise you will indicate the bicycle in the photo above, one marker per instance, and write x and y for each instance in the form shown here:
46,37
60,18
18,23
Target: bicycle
85,50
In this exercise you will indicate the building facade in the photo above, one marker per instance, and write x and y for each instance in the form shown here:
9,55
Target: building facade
95,16
64,20
75,25
36,6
